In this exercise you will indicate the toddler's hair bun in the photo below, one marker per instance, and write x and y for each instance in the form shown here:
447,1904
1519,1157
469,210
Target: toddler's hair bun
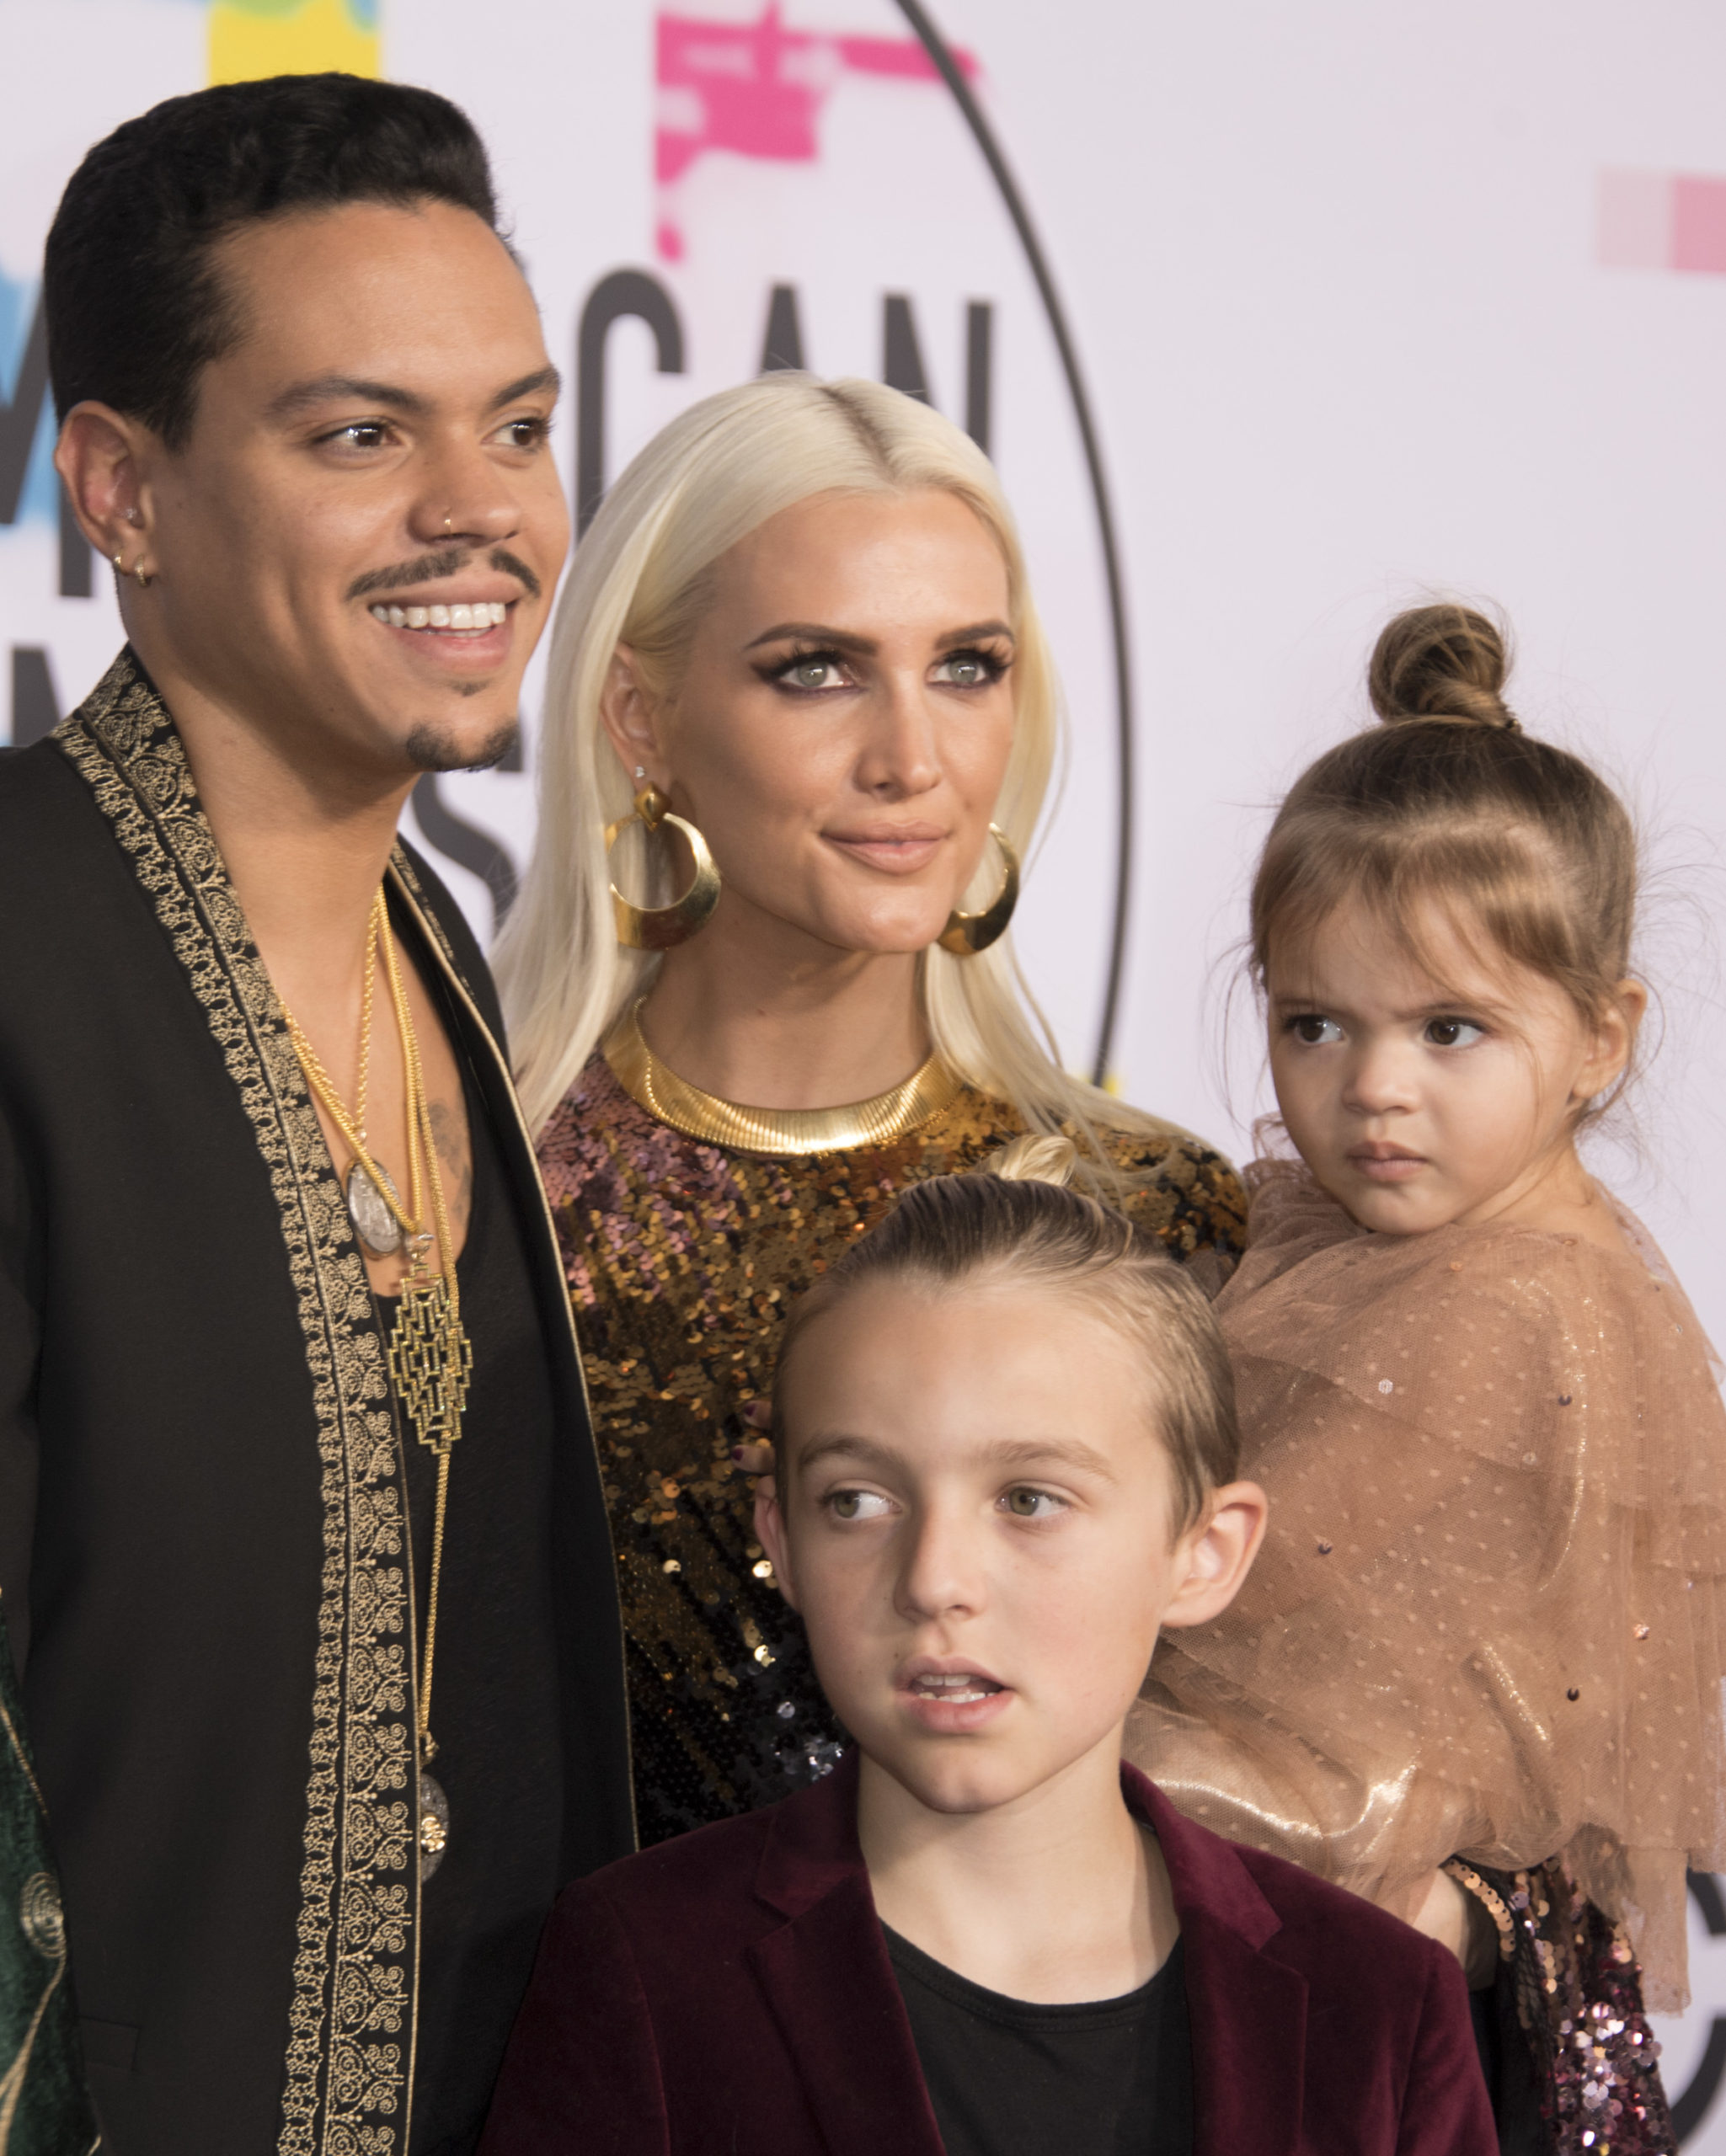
1441,662
1035,1158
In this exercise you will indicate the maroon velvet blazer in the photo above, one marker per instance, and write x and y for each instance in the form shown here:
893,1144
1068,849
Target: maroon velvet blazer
729,1993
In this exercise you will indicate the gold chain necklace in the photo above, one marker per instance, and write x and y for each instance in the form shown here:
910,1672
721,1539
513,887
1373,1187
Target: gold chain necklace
430,1357
781,1131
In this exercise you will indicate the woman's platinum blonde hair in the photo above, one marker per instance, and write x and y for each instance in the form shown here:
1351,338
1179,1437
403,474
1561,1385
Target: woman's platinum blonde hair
640,577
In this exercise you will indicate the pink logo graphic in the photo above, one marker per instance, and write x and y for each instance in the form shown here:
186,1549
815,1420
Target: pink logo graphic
1661,221
758,89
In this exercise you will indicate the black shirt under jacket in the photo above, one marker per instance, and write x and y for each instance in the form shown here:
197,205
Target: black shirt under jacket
495,1711
202,1540
1006,2076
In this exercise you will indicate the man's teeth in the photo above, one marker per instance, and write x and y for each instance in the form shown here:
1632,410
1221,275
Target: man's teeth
488,614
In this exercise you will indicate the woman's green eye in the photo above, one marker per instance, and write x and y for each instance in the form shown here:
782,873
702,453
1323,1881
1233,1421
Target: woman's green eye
970,670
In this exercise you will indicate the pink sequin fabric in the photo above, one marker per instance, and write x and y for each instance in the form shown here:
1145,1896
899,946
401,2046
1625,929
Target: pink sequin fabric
682,1259
1573,1997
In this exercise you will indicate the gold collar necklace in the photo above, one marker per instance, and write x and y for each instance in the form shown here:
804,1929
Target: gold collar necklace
781,1131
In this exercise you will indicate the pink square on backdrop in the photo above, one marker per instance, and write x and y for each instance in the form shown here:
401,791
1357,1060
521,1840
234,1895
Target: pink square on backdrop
1698,223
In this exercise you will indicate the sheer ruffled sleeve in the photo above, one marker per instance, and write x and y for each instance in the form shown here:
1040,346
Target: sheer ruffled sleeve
1486,1618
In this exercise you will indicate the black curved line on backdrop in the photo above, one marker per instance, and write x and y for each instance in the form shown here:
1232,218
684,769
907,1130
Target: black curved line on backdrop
1689,2109
933,45
468,846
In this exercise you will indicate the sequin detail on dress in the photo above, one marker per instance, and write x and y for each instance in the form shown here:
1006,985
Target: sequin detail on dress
682,1260
1578,1998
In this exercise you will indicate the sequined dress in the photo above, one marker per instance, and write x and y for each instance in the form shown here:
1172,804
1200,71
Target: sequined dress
682,1259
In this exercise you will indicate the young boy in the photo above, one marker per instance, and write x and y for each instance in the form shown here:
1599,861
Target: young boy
1004,1432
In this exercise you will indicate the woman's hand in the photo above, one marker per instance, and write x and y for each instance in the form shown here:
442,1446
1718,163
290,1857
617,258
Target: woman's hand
755,1456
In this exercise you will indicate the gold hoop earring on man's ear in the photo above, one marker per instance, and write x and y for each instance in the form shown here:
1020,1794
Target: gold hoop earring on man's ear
120,569
659,928
967,933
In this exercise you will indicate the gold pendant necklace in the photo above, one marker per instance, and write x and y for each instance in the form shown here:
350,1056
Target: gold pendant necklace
429,1355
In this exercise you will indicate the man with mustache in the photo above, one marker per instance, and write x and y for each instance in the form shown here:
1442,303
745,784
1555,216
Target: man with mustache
301,1538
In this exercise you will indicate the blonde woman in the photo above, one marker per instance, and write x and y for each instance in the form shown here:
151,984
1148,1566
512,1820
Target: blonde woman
802,710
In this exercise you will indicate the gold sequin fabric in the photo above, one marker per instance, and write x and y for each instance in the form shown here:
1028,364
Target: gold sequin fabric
682,1260
1486,1618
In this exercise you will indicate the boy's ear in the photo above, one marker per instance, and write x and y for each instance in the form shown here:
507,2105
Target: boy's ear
1216,1554
770,1532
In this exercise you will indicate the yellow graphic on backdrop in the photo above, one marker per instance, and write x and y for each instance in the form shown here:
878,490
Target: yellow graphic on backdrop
250,38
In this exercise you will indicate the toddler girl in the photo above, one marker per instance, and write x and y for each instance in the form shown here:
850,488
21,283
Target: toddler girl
1484,1634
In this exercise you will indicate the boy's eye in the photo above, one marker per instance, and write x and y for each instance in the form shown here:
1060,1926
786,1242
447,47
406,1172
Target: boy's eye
1454,1032
1031,1504
857,1504
1315,1032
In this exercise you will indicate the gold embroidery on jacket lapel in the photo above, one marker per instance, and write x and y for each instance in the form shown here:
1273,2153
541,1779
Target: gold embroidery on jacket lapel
347,2085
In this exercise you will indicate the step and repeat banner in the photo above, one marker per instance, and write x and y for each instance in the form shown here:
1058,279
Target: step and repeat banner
1273,319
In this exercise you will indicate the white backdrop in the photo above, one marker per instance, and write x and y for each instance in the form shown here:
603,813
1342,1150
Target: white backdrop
1370,299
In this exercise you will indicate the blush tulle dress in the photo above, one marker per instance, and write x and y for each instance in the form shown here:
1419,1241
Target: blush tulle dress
1486,1624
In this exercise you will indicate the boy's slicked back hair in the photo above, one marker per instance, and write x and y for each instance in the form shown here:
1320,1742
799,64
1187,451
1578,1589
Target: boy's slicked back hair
136,306
1014,1224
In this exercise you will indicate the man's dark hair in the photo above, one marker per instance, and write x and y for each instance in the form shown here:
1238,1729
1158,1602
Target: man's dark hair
136,308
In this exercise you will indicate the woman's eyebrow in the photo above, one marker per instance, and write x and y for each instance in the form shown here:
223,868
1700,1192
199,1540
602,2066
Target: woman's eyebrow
866,647
813,632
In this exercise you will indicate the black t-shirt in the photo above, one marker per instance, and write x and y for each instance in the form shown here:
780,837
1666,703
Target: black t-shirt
1110,2077
496,1708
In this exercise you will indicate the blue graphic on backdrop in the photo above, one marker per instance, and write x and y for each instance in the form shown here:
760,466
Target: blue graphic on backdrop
38,501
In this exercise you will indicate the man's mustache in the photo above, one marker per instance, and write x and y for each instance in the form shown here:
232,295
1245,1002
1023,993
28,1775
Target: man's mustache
447,561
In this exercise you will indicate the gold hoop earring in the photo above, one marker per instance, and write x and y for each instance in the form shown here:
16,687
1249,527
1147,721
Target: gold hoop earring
120,569
659,928
967,933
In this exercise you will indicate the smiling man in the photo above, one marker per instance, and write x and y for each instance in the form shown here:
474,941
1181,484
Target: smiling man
291,1423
